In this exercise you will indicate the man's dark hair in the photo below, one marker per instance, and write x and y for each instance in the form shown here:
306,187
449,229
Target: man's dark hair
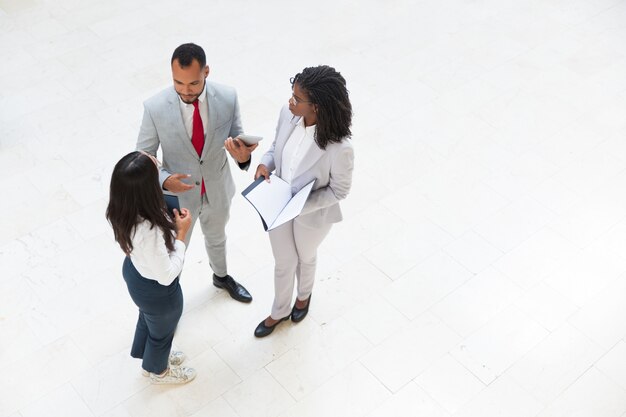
326,88
136,195
186,53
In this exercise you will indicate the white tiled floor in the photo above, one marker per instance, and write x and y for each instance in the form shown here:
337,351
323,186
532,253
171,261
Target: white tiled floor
481,266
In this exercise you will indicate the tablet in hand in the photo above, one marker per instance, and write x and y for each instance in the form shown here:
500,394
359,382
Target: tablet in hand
249,139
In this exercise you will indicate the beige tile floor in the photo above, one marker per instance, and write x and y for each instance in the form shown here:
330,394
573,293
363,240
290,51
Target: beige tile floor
481,267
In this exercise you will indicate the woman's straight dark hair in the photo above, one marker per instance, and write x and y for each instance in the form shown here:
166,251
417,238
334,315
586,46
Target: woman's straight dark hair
134,196
326,88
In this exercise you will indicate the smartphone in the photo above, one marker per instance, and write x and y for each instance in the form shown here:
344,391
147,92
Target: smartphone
171,201
249,139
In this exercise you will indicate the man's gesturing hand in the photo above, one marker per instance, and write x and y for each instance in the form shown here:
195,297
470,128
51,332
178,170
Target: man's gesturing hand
174,183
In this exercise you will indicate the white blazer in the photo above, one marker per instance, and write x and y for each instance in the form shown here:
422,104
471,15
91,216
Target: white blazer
331,169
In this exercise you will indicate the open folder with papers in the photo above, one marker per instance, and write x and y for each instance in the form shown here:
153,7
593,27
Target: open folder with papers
274,202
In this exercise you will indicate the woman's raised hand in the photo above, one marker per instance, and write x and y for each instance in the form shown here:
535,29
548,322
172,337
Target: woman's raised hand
183,223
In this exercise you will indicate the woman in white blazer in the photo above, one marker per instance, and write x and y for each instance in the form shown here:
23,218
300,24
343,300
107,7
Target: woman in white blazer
312,143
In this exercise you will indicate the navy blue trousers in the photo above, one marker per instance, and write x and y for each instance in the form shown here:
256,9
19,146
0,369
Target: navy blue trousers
160,308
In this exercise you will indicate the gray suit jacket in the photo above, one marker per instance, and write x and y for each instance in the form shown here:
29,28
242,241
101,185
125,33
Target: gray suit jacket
163,125
331,169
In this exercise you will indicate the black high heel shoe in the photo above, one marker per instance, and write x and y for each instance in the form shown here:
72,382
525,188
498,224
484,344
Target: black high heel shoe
297,314
262,330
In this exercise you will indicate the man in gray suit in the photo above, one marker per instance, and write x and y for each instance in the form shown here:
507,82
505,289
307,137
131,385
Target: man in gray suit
193,122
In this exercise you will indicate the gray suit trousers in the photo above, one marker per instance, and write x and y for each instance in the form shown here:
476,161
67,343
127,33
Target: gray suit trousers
294,245
213,223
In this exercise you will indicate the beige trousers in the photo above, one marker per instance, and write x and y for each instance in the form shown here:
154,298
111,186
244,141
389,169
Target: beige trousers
294,245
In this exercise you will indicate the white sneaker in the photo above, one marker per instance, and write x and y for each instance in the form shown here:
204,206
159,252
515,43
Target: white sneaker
176,359
174,375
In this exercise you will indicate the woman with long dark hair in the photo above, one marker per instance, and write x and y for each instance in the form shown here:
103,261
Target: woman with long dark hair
155,251
312,143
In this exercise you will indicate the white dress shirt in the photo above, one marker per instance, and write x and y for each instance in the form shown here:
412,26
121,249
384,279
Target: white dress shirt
186,110
151,257
298,144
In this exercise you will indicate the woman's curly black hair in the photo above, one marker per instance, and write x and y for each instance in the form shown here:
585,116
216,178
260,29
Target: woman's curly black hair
327,90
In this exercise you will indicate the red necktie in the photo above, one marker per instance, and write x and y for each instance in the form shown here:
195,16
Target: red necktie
197,137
